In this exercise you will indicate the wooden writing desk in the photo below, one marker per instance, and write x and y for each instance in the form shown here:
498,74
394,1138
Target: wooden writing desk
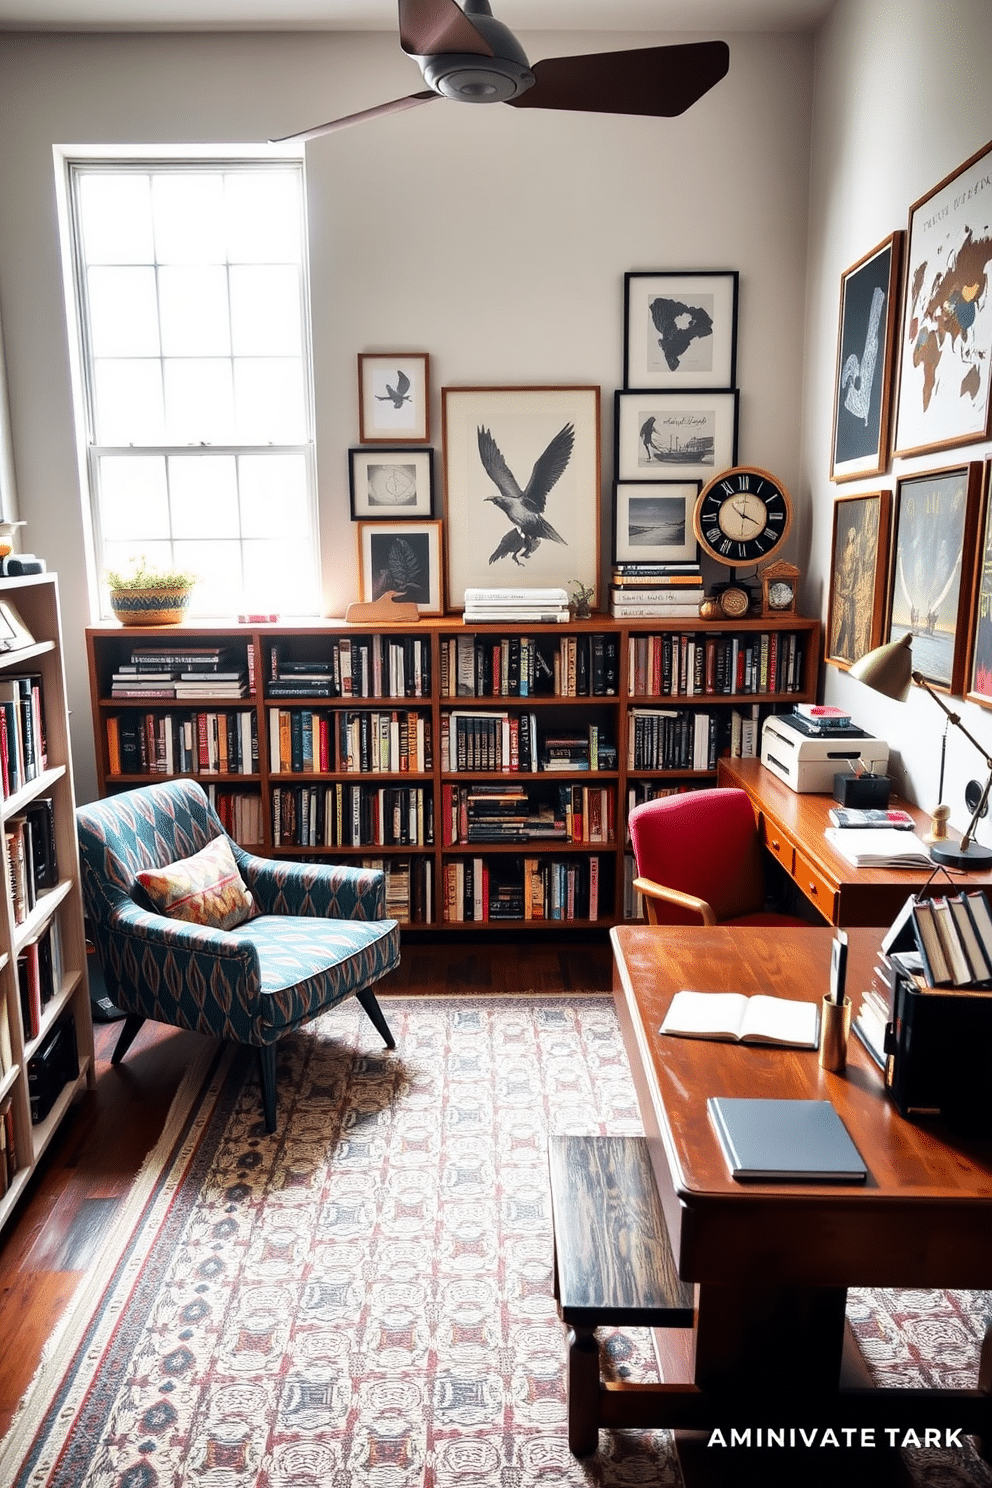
772,1261
792,827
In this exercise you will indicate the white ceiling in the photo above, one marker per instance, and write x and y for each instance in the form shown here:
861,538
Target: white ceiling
380,15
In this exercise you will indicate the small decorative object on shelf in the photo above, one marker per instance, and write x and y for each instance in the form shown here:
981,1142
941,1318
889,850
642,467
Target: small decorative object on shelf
581,601
143,595
779,587
734,602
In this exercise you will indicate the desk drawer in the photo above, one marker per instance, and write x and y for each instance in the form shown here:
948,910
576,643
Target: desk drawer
816,888
778,845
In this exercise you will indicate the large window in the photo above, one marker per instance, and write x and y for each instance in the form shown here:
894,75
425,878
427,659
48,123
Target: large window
191,296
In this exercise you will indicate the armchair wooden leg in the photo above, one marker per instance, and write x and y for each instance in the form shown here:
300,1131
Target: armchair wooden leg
371,1006
128,1035
267,1074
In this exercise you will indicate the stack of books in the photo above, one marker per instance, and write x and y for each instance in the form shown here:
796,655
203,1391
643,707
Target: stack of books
179,672
954,936
670,591
818,720
516,606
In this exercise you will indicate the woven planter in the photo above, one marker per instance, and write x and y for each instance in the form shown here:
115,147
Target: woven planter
150,606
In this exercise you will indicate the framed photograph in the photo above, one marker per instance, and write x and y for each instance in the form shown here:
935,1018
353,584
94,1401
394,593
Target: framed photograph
402,561
932,570
859,567
394,397
387,485
675,436
522,487
979,673
946,337
866,338
680,329
652,521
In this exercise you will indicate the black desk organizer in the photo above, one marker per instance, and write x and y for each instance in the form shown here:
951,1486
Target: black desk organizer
939,1043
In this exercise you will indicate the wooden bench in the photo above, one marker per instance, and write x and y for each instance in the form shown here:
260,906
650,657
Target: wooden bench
613,1266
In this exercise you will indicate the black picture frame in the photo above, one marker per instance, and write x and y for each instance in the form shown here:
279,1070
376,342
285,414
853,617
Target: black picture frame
687,434
680,328
391,484
866,340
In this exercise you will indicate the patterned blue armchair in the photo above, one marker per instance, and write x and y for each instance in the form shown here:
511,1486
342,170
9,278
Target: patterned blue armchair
318,934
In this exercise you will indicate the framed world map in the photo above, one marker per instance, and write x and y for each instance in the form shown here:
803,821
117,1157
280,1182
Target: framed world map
947,317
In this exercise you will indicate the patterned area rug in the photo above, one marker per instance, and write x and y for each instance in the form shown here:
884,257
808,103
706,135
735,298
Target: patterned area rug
363,1300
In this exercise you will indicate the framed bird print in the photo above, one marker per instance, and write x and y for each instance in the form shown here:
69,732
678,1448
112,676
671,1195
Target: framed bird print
675,436
522,488
394,397
866,336
401,561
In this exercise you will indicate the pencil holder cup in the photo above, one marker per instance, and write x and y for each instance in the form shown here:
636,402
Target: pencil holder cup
835,1030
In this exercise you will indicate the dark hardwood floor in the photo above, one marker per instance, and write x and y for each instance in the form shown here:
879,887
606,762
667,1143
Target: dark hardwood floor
54,1236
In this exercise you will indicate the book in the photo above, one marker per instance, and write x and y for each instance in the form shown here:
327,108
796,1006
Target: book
851,816
823,713
879,847
978,961
936,964
730,1017
785,1140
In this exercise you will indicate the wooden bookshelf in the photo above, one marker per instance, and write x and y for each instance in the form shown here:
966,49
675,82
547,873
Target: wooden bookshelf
376,774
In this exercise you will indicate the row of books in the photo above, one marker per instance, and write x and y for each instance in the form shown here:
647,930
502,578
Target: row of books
508,742
672,739
690,664
527,605
409,888
479,889
23,746
39,975
954,935
8,1144
305,741
240,813
583,665
177,671
180,743
634,576
52,1066
352,816
494,814
32,859
377,666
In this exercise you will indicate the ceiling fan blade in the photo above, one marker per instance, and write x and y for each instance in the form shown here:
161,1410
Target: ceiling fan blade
662,81
431,27
395,107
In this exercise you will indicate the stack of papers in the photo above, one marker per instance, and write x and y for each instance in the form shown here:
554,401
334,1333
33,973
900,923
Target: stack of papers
879,847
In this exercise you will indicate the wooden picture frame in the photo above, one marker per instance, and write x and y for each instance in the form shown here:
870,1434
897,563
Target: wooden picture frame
394,397
402,561
945,354
859,567
934,535
391,485
652,521
979,673
689,435
680,328
502,440
866,343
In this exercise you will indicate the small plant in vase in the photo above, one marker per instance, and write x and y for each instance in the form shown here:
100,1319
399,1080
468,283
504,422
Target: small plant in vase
145,595
581,600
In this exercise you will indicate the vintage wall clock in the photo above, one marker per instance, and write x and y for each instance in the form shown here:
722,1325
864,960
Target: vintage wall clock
742,516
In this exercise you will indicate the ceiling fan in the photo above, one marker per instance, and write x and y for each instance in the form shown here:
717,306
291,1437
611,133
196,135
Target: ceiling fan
466,54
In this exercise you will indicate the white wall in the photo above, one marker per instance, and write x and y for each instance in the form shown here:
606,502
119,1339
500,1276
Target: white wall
901,100
495,240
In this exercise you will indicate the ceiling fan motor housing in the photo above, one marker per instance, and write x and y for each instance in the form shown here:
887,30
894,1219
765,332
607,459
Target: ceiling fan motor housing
475,78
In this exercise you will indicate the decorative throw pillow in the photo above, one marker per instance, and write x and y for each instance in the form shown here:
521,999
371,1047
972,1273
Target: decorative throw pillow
206,889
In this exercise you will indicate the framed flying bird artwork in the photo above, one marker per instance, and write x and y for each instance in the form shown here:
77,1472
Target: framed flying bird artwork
401,562
522,488
394,397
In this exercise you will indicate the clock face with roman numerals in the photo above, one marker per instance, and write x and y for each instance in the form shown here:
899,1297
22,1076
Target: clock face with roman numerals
742,515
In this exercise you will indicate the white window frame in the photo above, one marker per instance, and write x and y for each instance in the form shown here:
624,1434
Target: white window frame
70,162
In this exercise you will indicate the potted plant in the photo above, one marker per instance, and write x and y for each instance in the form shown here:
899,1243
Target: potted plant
144,595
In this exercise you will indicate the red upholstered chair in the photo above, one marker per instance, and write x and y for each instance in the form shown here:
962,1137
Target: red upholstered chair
699,860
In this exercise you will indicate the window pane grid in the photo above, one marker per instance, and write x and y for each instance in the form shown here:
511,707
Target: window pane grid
191,283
